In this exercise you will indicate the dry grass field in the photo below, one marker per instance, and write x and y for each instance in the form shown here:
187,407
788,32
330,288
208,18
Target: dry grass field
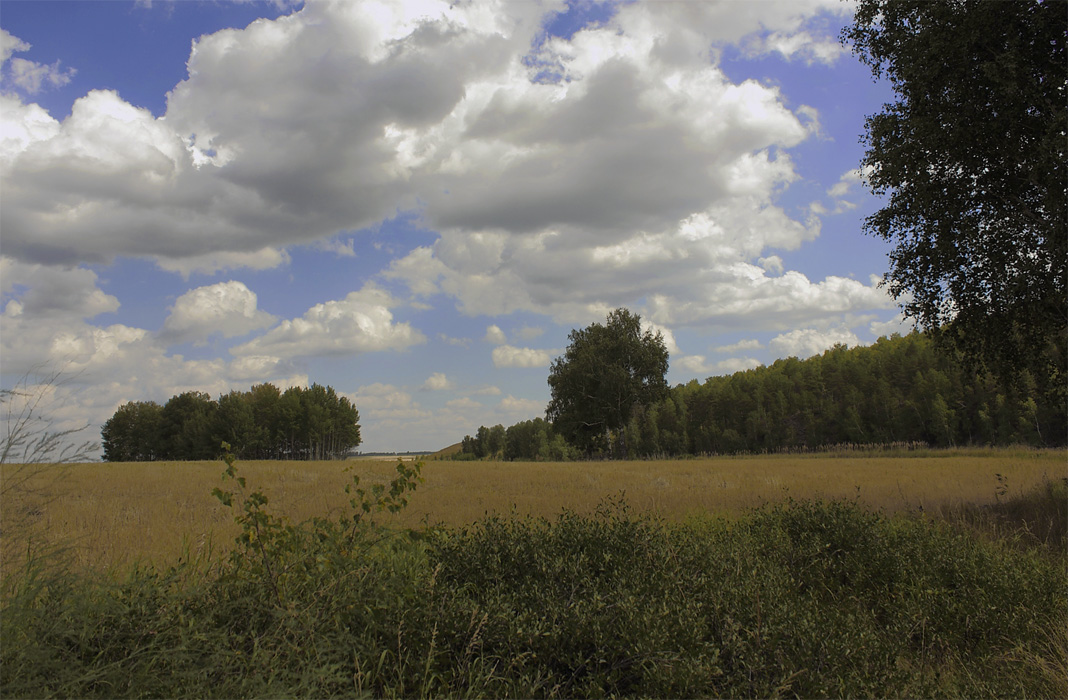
116,514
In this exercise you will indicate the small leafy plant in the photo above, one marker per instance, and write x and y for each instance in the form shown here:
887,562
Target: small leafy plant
379,499
269,545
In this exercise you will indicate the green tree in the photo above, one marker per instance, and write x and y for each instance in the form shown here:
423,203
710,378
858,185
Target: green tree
264,423
236,424
132,434
289,413
519,441
496,441
482,440
605,371
972,159
187,426
264,400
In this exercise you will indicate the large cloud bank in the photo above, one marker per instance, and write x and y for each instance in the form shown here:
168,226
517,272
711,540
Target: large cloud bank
562,175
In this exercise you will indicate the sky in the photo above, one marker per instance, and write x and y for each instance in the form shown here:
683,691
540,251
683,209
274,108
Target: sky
415,202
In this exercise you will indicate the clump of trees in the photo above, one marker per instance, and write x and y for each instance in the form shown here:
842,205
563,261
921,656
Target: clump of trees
529,440
261,423
902,389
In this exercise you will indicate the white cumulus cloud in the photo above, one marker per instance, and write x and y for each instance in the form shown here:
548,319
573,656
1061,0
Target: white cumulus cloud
521,407
495,335
806,342
380,402
511,356
898,324
437,382
30,76
228,309
698,365
9,44
588,172
748,344
361,322
557,176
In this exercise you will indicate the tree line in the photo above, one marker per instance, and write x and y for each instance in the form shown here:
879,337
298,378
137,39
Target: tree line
902,389
264,422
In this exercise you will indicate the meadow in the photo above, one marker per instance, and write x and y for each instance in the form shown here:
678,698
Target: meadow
114,514
862,575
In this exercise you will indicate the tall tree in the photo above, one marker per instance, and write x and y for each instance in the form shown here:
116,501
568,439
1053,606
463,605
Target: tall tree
496,441
264,400
187,423
132,434
235,423
972,159
605,371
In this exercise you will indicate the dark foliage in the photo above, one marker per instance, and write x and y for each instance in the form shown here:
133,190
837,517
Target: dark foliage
262,423
605,372
899,390
972,157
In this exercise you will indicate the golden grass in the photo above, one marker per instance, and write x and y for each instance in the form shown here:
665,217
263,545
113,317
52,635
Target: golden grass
115,514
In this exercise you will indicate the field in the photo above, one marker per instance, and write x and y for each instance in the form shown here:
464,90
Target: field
931,574
115,514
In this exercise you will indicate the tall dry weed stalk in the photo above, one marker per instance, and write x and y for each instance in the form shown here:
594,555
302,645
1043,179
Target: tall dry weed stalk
32,455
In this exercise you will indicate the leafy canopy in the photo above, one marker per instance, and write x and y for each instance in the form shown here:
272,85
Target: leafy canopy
605,371
972,159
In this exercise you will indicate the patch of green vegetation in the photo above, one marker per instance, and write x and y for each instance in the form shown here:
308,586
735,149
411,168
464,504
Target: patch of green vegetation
803,599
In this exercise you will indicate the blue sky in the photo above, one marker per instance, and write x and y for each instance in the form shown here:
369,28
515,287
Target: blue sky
415,202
